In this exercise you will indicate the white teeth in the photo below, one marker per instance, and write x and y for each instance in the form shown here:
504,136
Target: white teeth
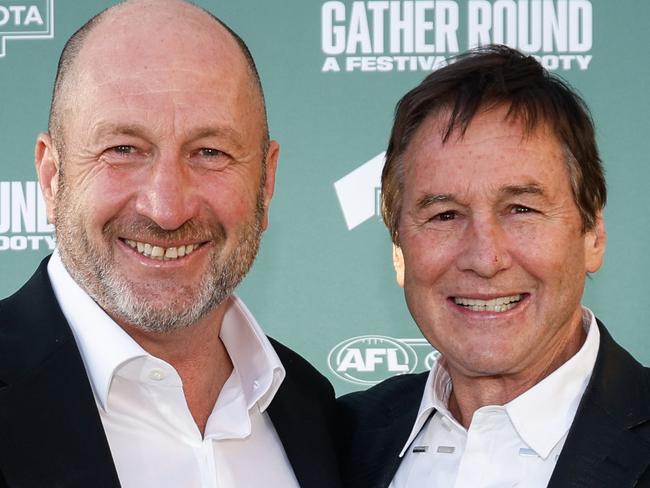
500,304
161,253
157,252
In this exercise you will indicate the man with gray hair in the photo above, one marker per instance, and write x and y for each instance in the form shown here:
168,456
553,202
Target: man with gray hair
139,367
493,193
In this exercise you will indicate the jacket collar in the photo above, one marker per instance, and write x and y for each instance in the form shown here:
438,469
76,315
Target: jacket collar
371,444
51,431
606,446
307,435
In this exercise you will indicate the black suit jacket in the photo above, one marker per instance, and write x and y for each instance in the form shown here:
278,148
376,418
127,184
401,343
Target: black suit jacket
608,445
51,434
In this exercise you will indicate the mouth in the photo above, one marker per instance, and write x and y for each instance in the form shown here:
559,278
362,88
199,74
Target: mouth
493,305
160,253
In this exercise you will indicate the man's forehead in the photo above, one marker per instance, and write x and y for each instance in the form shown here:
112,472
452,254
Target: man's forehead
145,47
172,32
495,149
494,129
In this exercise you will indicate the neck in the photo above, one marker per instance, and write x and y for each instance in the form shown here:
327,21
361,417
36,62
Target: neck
198,355
473,392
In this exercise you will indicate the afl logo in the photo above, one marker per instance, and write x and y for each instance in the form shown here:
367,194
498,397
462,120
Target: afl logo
367,360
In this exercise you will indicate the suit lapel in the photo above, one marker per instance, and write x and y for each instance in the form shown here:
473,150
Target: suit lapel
306,434
603,448
51,431
381,458
371,442
600,454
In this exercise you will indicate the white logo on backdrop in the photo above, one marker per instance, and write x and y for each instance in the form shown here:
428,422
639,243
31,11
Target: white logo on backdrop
26,21
414,35
23,218
367,360
359,192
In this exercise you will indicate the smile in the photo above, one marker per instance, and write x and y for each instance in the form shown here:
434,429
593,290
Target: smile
161,253
500,304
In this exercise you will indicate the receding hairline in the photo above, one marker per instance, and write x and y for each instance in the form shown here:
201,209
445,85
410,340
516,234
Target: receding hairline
66,70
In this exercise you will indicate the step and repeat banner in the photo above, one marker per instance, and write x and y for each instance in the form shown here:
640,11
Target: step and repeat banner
332,72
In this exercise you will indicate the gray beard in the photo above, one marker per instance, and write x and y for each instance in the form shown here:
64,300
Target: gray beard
95,271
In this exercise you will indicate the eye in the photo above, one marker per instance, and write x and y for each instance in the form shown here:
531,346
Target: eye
122,149
123,154
209,158
445,216
210,152
520,209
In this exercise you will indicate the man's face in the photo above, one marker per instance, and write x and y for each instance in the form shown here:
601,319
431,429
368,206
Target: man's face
493,250
160,198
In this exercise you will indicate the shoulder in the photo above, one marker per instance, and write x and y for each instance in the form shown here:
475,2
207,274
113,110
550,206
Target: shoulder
383,401
299,371
620,386
30,298
373,426
32,326
617,368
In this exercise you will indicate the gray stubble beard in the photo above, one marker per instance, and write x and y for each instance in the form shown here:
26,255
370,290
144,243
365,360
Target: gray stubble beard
95,272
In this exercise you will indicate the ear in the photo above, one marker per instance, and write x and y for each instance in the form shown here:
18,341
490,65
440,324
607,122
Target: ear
398,264
595,241
269,187
48,169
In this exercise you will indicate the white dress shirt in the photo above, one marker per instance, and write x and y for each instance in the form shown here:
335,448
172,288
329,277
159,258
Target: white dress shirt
152,435
514,445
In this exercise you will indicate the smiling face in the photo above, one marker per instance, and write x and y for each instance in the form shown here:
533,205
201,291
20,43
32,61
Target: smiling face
494,257
160,196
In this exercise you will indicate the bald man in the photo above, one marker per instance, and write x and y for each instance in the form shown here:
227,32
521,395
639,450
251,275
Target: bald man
139,367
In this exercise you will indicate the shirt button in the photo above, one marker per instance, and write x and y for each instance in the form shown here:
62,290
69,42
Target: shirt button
256,385
156,375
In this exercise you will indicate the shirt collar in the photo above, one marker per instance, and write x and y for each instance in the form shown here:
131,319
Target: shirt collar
258,366
435,398
105,347
543,414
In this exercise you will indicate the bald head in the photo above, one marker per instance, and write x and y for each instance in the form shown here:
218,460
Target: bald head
140,26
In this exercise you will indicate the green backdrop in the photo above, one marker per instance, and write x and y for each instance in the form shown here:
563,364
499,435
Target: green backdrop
324,275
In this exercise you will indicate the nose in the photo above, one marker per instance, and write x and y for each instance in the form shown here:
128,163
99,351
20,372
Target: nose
168,194
485,248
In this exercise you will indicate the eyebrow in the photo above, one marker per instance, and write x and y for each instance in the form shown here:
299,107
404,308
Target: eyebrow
517,190
428,200
506,191
137,130
103,129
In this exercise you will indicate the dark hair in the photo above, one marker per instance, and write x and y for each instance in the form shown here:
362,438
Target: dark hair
485,78
74,44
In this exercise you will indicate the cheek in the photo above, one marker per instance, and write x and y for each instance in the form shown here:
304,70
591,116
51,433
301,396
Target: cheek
556,262
427,259
232,204
95,201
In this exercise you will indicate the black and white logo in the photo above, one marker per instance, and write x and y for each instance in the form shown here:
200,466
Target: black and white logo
367,360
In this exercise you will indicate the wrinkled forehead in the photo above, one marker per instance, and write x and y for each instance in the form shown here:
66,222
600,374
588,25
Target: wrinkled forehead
452,125
494,131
